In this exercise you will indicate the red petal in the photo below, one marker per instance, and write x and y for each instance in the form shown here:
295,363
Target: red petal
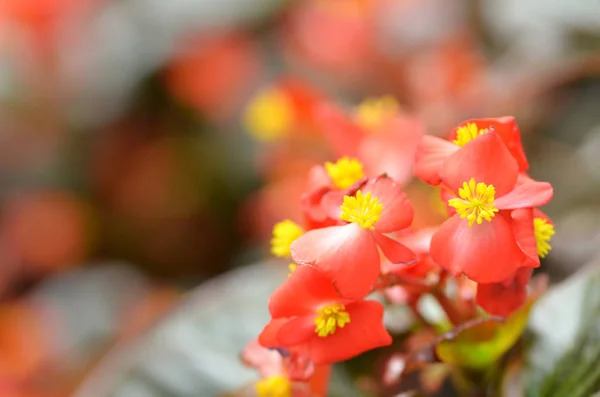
268,336
302,293
348,254
499,299
486,253
297,330
398,211
486,159
319,382
526,195
522,225
509,132
523,276
339,130
430,156
396,252
364,332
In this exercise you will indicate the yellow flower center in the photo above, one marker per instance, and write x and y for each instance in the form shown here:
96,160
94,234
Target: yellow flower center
467,133
362,209
543,233
476,202
284,234
371,112
269,115
292,267
329,318
345,172
274,386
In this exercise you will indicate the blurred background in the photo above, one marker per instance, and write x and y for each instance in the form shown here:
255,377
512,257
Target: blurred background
131,171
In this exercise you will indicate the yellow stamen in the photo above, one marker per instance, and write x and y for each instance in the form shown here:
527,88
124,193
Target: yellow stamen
543,233
284,234
362,209
466,134
274,386
269,116
345,172
373,111
292,267
476,202
329,318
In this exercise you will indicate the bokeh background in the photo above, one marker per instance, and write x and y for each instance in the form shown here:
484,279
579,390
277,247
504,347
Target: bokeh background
129,176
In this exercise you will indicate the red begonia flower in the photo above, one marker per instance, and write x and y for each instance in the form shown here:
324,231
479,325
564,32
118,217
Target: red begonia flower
432,152
308,311
504,298
327,185
386,144
507,129
349,254
483,178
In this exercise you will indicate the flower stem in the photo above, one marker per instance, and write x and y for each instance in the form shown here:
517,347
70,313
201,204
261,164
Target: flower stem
453,314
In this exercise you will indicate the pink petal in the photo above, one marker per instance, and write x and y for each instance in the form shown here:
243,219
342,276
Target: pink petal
305,290
267,361
365,331
348,254
430,156
318,178
486,159
486,253
526,195
398,211
391,149
397,253
331,203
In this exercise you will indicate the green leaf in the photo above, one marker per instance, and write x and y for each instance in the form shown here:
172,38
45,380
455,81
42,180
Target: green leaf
480,343
563,359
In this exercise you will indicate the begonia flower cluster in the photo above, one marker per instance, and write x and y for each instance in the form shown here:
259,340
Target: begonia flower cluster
357,237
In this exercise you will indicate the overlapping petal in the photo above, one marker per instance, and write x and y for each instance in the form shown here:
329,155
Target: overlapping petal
301,293
430,156
522,225
486,253
398,211
487,160
508,130
502,299
528,194
269,335
396,252
297,330
348,254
